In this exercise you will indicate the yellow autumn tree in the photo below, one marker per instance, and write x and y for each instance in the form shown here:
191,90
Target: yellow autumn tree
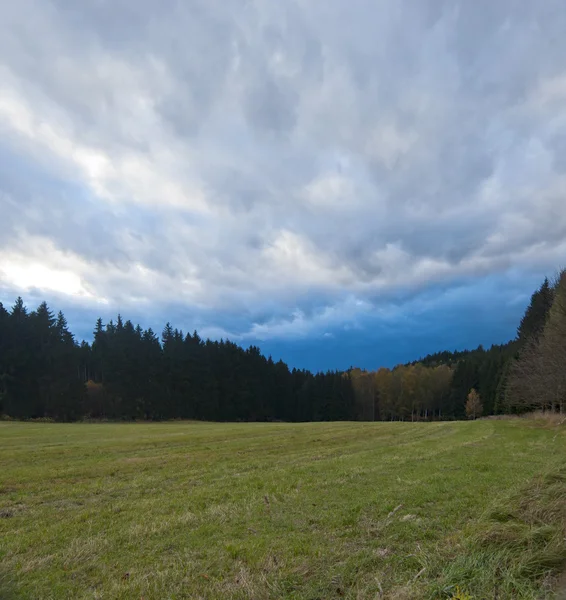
474,407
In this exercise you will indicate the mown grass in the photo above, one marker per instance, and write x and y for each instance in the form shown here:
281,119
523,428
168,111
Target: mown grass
313,511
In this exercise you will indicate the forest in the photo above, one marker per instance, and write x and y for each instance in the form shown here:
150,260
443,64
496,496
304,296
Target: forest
129,373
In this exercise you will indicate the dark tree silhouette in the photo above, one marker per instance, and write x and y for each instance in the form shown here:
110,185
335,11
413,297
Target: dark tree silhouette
129,373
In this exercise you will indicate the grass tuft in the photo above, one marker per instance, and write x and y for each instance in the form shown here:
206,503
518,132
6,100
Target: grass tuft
516,546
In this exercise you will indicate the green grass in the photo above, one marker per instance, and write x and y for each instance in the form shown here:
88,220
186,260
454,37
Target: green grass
314,511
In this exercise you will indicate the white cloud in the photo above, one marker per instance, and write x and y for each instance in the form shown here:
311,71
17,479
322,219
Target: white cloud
153,178
43,267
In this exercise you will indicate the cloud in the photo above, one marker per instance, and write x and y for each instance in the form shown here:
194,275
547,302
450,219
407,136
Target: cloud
278,170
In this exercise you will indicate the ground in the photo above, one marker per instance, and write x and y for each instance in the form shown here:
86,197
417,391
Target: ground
313,511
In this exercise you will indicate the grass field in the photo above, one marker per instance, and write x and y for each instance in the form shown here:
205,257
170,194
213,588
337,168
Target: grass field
314,511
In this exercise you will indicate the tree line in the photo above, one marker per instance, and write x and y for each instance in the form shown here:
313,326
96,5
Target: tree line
528,373
131,373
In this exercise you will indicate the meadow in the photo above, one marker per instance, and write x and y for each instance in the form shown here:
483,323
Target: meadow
311,511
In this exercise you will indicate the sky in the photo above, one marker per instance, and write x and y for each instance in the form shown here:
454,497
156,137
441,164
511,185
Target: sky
339,183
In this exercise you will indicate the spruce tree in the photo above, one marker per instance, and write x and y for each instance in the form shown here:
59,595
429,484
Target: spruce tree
536,314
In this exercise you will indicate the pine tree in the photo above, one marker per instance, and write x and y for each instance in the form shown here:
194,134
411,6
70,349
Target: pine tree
536,314
553,349
537,378
19,381
5,341
67,394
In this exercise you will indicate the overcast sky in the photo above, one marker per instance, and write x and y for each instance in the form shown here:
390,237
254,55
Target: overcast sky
341,183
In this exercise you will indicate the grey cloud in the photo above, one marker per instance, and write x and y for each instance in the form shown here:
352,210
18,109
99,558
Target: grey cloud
557,145
422,124
270,107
